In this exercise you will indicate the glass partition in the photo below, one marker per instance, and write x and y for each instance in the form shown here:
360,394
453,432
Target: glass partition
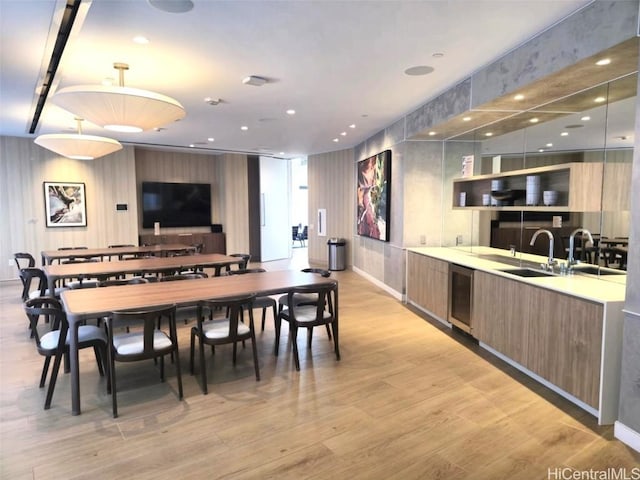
579,149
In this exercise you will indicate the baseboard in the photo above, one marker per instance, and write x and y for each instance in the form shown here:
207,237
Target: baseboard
395,294
627,435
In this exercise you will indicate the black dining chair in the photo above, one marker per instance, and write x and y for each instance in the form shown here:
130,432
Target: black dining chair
143,341
264,302
55,341
220,331
309,315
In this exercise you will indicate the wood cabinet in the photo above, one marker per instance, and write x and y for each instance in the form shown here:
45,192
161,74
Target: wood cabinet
500,314
556,336
427,284
579,187
212,242
565,342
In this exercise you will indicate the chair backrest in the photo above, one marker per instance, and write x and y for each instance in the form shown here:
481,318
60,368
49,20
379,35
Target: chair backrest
27,275
242,271
234,306
294,232
183,276
24,260
123,281
305,232
320,271
246,258
325,300
148,320
50,308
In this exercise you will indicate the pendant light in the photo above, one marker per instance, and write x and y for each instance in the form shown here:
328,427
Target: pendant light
120,108
77,145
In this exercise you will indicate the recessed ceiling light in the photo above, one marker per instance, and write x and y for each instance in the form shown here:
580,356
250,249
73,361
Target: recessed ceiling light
586,118
437,55
172,6
353,125
254,80
432,133
159,129
191,145
364,115
604,61
140,40
336,139
344,134
574,125
519,97
466,119
211,100
564,134
534,120
488,134
549,144
541,150
419,70
599,99
281,153
291,111
621,137
211,139
244,127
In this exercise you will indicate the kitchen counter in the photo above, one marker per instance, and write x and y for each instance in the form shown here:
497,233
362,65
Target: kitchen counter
565,331
586,286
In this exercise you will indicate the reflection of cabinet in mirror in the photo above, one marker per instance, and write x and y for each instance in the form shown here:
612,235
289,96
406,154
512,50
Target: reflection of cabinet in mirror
579,187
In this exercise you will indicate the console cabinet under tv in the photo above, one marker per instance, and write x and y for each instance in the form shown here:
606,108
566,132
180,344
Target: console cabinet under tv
212,242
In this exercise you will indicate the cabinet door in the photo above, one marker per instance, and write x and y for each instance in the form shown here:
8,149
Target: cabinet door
565,342
427,283
501,314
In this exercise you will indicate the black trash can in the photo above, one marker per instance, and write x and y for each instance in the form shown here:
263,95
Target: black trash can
336,253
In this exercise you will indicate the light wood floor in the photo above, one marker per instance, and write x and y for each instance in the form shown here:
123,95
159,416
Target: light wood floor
408,400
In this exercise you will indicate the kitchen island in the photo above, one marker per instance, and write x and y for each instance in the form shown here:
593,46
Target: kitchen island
563,330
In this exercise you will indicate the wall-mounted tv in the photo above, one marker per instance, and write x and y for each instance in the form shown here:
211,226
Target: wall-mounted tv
176,204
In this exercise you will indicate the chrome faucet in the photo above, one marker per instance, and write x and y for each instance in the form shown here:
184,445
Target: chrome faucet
550,262
570,259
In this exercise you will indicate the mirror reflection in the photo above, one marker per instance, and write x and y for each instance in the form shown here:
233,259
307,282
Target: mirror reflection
563,168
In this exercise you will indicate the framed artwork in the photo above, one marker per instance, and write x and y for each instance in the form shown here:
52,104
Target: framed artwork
374,189
65,204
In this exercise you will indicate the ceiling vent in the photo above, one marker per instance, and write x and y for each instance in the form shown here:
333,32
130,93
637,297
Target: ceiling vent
253,80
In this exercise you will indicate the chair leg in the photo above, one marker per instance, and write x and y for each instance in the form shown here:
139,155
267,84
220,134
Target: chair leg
264,317
278,325
203,368
52,381
255,355
112,375
191,352
99,360
162,368
328,331
45,370
179,375
334,327
309,336
293,331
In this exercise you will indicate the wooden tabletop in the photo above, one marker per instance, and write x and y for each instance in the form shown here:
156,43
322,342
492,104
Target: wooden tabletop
56,272
95,302
49,256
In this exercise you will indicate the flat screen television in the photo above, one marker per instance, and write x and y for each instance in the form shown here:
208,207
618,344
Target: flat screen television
176,204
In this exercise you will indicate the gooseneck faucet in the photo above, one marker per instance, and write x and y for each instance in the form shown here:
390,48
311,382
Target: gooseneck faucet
570,259
550,261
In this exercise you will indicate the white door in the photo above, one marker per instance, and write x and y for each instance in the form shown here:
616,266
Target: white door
275,232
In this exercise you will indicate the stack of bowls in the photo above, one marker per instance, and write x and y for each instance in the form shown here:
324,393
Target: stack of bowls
533,190
497,185
550,197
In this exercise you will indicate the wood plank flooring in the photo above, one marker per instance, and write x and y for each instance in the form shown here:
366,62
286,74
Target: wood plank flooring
408,400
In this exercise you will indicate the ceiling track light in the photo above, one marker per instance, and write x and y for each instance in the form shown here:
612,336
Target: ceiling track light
120,108
77,145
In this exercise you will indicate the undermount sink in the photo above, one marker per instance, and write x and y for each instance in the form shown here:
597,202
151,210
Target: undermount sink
527,272
596,270
515,261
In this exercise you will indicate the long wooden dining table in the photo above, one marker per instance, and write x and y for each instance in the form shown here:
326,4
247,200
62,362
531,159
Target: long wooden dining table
91,303
86,270
48,256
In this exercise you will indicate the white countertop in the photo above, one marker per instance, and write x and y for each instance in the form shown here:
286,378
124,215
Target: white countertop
589,287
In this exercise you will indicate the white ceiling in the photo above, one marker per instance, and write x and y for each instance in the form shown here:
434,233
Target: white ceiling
336,63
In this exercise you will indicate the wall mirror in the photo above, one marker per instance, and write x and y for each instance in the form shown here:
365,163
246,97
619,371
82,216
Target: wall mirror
593,128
